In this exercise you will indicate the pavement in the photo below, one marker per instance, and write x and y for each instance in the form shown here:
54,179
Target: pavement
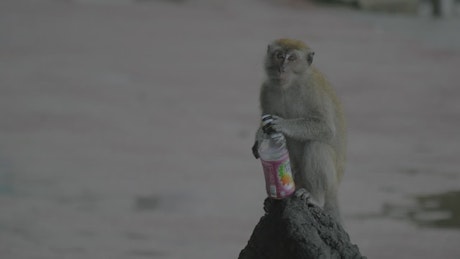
127,125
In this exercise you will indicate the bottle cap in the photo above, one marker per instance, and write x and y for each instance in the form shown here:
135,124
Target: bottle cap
267,120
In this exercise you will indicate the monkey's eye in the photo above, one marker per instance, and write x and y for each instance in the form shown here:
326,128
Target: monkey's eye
279,55
292,57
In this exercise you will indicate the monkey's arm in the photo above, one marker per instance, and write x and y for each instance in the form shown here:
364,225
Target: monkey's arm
303,129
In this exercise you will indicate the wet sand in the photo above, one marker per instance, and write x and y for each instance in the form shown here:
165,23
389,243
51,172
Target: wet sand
127,126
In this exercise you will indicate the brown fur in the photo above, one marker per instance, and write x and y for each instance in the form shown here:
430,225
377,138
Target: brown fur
310,116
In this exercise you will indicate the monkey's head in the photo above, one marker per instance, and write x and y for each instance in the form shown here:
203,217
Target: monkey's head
286,59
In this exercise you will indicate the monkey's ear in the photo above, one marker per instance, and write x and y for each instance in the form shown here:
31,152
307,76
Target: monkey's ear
310,57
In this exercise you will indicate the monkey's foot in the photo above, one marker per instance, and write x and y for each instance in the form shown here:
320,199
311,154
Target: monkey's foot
304,195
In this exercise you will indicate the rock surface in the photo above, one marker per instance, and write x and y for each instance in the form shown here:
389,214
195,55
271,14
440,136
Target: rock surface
293,229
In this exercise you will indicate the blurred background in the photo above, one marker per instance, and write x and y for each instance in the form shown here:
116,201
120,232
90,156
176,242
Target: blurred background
126,125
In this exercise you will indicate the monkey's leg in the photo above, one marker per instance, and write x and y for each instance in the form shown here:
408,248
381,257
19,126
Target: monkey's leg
332,206
323,177
318,172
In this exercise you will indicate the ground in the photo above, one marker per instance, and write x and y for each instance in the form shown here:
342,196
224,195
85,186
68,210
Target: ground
127,125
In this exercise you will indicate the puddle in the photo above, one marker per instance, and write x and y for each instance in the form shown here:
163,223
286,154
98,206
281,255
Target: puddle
437,210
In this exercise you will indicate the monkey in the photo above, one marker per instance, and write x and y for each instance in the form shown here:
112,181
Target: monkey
308,112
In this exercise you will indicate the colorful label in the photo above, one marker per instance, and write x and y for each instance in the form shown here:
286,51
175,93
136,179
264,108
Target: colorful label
278,178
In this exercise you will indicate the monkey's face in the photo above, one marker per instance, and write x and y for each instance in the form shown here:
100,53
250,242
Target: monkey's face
283,65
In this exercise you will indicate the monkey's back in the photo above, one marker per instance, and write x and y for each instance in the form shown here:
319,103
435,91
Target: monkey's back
340,141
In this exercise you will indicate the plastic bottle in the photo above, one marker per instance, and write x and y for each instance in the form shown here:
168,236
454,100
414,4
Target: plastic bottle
275,162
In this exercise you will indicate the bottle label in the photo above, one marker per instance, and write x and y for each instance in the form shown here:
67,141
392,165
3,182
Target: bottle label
278,178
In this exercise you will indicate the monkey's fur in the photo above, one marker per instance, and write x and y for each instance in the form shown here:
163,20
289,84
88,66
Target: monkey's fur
307,111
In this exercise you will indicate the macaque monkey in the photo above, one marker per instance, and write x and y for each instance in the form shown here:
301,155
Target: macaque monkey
308,113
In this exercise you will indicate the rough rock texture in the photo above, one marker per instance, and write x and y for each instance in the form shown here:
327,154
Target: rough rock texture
292,229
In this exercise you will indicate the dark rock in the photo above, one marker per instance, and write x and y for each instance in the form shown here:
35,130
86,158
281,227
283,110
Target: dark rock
293,229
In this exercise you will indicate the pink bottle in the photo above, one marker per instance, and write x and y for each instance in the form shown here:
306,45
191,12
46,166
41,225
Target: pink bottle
275,162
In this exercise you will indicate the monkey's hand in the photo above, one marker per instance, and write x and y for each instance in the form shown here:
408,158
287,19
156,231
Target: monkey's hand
278,124
255,149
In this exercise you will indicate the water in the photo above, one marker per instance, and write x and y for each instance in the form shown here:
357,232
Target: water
441,210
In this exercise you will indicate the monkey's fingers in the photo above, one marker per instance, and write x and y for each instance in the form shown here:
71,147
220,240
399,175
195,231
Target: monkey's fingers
277,123
303,194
